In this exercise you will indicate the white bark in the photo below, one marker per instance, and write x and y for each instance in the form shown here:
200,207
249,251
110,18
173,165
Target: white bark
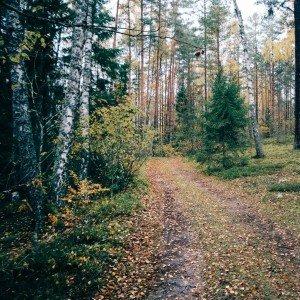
72,94
85,95
25,156
247,65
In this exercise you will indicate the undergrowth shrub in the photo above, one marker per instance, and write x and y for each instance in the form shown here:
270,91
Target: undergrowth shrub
160,149
118,147
82,242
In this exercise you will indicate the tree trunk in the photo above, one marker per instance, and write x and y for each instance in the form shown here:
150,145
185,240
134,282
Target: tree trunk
297,74
116,24
25,155
85,94
205,54
256,92
72,93
142,76
249,84
129,47
158,64
149,79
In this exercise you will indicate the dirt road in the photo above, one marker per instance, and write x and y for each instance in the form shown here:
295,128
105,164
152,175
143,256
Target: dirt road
216,241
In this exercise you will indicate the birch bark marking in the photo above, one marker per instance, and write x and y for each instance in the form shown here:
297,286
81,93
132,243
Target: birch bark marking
28,168
249,84
72,94
85,93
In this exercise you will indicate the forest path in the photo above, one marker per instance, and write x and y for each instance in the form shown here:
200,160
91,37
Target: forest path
216,242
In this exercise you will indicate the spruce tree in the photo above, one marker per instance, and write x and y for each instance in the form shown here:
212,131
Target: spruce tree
224,124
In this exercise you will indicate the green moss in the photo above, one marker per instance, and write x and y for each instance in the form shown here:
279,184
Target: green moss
279,158
251,170
285,187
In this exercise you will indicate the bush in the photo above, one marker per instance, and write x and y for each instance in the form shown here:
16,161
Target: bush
73,258
118,147
265,131
163,150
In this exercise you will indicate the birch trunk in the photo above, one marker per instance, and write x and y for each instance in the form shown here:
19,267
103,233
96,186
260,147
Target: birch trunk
249,84
25,156
72,93
85,94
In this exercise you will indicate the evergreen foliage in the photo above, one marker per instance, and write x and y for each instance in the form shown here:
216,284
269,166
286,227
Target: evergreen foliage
224,125
187,131
72,141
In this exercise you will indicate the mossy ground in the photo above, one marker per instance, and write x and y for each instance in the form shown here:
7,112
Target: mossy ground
275,179
77,248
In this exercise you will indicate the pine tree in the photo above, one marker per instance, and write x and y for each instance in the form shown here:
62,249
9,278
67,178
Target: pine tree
224,124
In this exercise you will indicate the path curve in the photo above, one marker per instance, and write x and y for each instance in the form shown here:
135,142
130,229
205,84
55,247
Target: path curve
216,243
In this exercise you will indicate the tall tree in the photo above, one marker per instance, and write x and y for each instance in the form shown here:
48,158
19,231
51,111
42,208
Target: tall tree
158,66
297,74
284,4
28,169
142,62
72,95
85,92
247,63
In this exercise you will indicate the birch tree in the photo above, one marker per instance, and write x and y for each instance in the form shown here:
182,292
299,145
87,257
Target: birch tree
72,94
25,155
85,93
247,65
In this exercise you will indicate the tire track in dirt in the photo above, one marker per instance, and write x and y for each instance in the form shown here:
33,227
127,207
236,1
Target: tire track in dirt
191,199
179,259
285,243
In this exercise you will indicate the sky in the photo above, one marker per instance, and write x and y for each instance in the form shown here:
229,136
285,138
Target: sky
248,7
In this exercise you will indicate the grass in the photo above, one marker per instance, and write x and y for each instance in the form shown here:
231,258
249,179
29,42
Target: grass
81,244
285,187
250,170
274,179
279,158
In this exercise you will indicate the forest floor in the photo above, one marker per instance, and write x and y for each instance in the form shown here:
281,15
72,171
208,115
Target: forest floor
234,235
223,239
